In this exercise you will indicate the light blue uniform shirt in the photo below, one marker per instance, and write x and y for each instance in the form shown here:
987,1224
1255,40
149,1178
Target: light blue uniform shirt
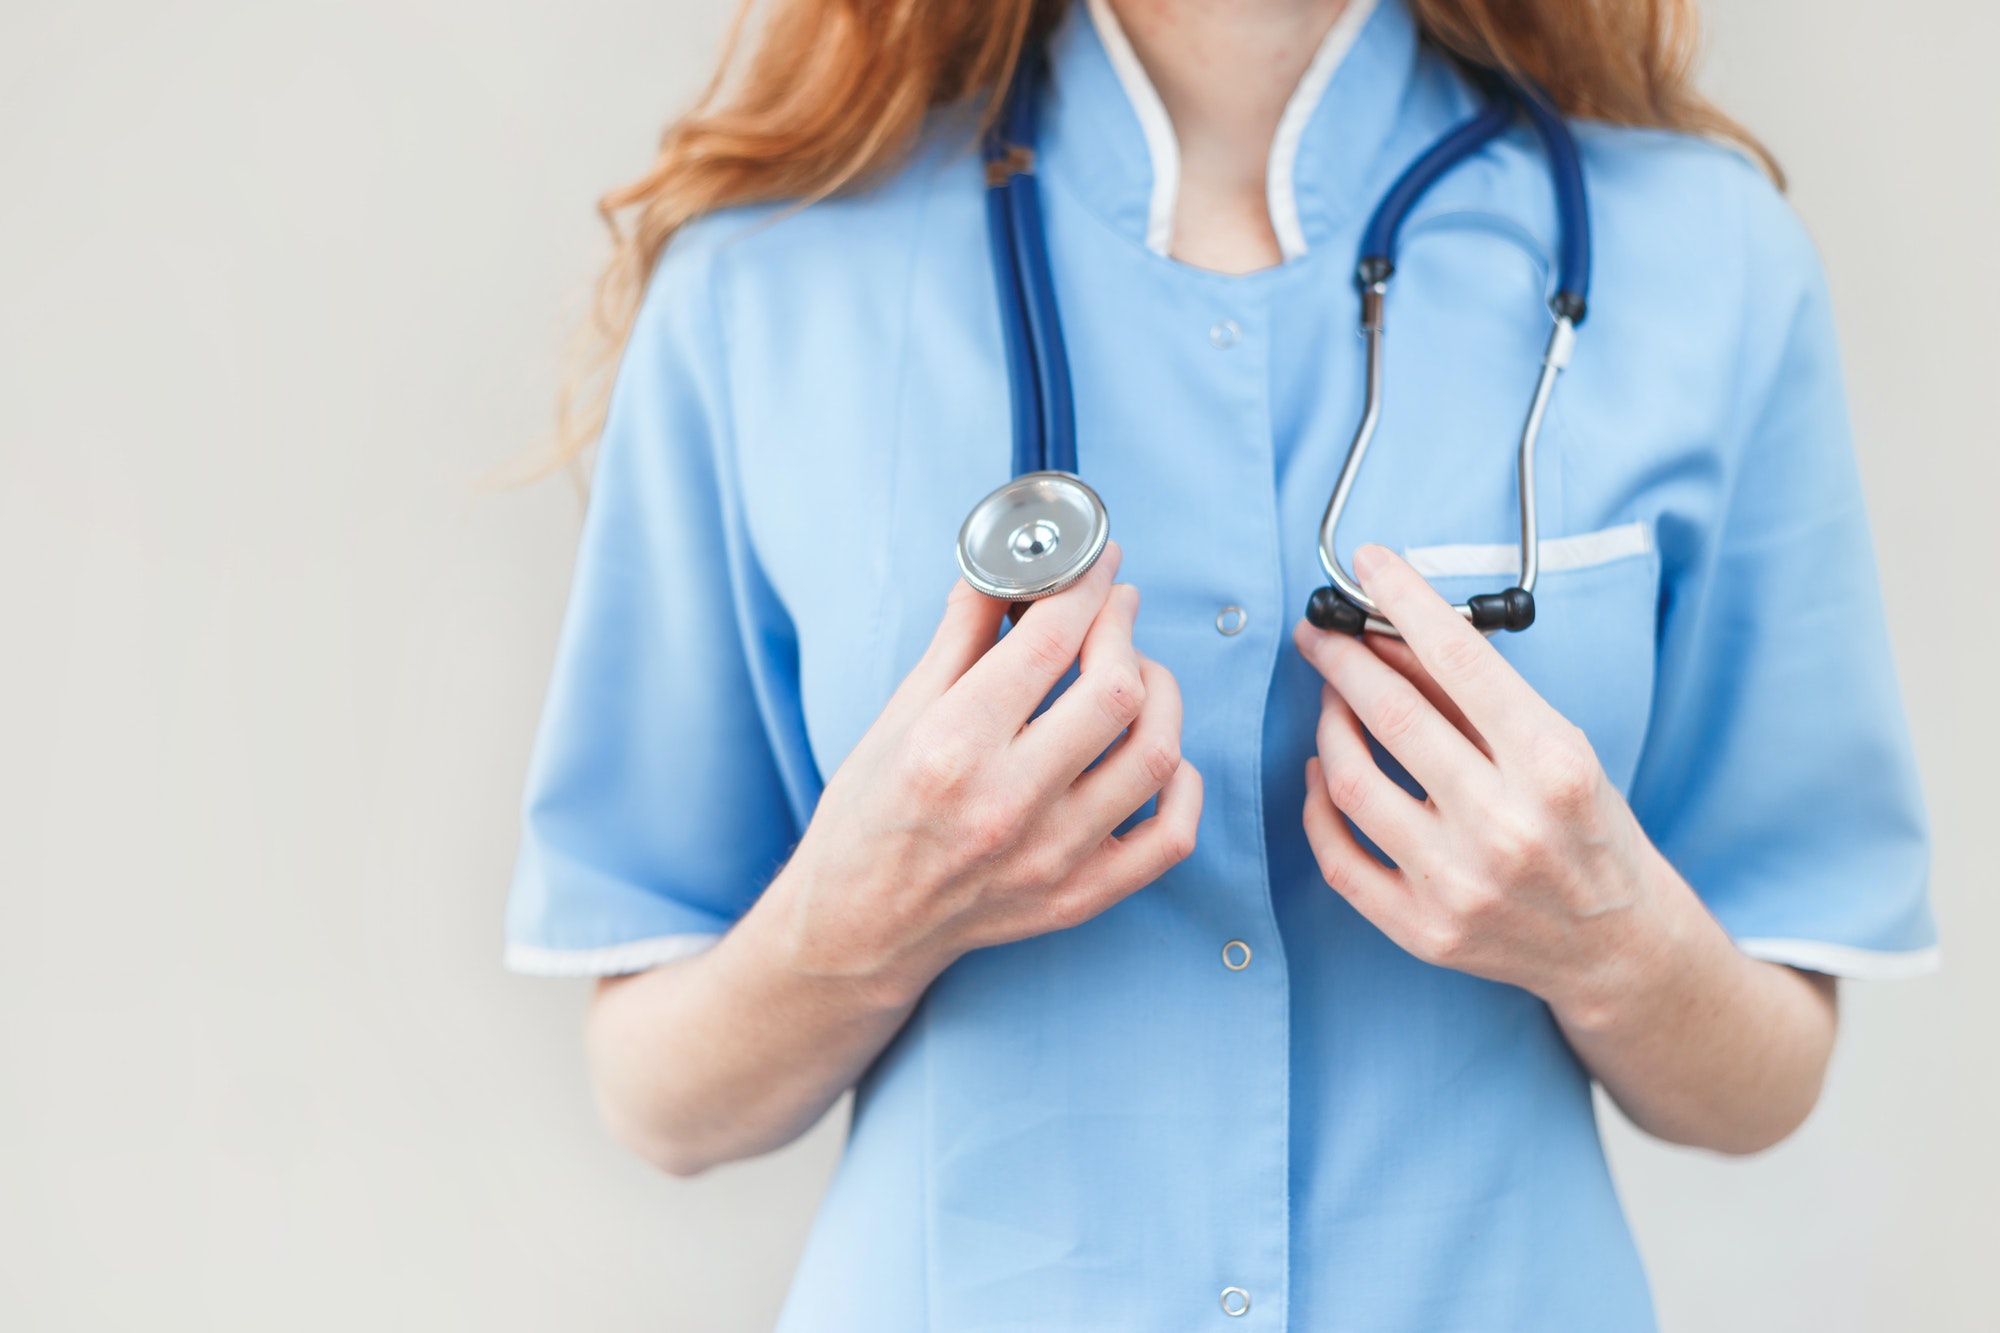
1106,1127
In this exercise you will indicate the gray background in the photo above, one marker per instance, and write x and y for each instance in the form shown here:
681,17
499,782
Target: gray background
278,283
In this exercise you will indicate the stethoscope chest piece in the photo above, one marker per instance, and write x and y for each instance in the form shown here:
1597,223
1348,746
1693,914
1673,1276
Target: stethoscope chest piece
1033,537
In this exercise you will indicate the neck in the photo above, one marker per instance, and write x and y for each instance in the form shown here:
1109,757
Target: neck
1224,70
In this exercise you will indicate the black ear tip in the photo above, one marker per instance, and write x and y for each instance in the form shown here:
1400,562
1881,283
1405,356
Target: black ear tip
1513,609
1326,609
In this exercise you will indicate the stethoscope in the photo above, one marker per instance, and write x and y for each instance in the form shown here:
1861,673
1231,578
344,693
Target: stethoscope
1042,531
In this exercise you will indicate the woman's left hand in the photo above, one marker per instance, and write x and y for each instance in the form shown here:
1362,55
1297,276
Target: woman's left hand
1524,865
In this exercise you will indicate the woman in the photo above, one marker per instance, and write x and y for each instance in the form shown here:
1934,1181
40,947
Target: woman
1123,1060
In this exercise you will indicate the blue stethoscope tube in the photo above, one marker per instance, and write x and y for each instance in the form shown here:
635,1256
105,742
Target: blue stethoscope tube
1037,362
1044,415
1342,605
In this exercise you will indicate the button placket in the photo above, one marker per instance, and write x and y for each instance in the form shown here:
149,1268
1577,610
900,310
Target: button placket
1252,985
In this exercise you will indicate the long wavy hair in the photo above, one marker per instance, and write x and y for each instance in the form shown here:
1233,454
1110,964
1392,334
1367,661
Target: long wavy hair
834,93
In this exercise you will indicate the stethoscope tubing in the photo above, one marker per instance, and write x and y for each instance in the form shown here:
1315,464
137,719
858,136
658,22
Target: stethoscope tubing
1014,335
1031,322
1044,412
1514,608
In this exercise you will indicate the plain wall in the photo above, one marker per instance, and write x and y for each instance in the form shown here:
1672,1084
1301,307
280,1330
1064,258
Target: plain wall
278,284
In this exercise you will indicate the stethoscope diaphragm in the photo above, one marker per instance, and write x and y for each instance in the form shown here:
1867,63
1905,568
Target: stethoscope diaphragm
1033,537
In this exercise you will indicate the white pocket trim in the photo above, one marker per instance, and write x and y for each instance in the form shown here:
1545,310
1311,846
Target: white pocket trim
612,960
1583,551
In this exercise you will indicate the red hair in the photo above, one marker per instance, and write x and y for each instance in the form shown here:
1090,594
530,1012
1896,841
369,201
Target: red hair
834,93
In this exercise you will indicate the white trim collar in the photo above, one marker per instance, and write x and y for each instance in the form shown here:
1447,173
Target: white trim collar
1161,144
1280,196
1164,148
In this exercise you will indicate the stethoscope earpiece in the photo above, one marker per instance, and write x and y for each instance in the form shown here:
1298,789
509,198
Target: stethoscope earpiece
1512,610
1329,609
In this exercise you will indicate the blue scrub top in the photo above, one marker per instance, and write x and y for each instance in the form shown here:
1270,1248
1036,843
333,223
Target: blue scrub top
1106,1127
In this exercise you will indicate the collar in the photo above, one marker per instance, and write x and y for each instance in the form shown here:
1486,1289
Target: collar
1106,134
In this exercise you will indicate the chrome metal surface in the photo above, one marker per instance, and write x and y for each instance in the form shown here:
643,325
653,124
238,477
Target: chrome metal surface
1554,357
1033,537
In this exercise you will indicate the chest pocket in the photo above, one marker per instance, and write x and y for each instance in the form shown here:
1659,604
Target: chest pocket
1592,649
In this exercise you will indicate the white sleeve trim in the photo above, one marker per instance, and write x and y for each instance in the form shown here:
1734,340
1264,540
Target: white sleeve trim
1161,145
1280,196
1582,551
609,961
1844,960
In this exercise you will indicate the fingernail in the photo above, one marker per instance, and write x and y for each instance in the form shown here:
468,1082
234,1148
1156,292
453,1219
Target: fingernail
1369,559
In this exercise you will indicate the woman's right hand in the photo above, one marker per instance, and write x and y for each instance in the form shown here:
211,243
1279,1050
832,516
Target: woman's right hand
957,822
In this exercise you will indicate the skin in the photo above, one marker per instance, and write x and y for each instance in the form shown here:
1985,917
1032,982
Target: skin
957,823
1524,865
1224,70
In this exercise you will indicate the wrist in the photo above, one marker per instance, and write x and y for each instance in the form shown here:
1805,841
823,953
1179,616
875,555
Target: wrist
1636,955
834,946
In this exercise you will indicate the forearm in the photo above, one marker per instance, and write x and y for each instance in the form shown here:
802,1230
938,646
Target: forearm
1524,864
735,1051
966,817
1698,1043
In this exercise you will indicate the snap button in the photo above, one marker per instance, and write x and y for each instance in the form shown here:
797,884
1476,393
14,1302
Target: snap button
1235,1302
1231,619
1235,957
1225,334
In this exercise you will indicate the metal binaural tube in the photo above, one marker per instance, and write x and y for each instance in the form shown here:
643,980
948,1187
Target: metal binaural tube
1364,434
1562,339
1556,356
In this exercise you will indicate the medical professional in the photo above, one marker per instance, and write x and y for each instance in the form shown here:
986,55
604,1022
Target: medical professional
1192,966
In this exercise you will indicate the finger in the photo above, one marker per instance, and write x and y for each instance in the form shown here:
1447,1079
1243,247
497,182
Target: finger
1110,693
1121,866
1465,665
998,692
970,625
1398,655
1140,765
1393,819
1396,713
1348,868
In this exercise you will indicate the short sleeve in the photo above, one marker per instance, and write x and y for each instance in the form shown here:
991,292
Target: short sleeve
656,807
1778,774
